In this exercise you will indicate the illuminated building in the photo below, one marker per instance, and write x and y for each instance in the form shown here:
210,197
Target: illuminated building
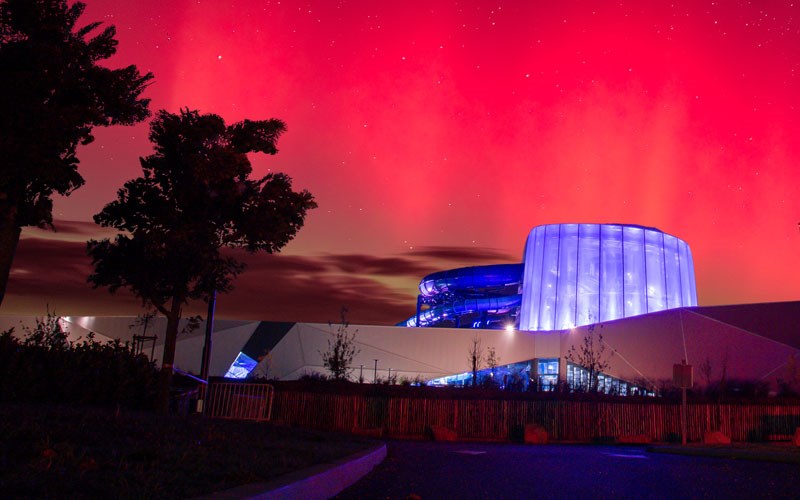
572,275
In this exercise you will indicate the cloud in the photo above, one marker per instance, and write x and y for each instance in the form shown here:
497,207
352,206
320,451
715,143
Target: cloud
65,230
466,255
388,266
52,272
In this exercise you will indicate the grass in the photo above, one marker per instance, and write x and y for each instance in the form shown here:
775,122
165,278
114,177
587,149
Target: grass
72,452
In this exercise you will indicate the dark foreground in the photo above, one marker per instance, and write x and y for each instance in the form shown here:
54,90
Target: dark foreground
73,452
468,470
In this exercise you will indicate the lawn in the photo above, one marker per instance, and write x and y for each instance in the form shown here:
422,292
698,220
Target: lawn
75,452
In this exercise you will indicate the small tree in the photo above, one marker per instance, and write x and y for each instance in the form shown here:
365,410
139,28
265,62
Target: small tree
591,356
789,382
338,359
194,198
492,360
475,358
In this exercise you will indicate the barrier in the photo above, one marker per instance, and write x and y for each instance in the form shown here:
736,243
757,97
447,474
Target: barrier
240,401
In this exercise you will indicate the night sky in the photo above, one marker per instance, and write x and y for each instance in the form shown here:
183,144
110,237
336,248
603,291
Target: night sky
437,134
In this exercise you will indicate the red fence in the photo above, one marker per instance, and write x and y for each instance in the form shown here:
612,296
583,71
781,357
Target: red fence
493,419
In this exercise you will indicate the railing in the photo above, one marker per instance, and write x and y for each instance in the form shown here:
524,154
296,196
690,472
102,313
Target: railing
239,401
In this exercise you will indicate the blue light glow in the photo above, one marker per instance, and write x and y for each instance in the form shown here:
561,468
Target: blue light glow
578,274
573,275
241,366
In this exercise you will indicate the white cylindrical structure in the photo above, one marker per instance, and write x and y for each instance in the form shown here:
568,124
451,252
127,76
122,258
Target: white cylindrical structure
578,274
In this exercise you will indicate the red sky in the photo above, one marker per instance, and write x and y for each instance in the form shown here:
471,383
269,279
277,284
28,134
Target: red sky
436,135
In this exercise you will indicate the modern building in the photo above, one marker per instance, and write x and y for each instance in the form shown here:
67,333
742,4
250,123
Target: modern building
632,285
572,275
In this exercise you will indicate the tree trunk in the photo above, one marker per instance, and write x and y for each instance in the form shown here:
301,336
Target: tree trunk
9,238
168,356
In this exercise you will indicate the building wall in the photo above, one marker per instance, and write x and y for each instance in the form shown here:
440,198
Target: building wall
578,274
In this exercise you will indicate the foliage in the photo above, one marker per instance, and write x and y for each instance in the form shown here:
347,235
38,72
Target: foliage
54,89
492,360
789,382
195,197
314,377
338,359
144,321
45,367
261,371
590,355
475,358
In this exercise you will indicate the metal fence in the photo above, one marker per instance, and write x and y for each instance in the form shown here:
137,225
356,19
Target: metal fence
240,401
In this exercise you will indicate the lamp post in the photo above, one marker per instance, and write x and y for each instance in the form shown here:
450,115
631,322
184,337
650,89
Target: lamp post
375,377
682,377
206,360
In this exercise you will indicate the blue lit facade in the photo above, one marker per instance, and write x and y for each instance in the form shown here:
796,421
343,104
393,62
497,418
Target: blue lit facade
578,274
572,275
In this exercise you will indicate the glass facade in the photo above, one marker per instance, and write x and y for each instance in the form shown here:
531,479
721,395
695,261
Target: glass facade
548,374
580,380
241,366
578,274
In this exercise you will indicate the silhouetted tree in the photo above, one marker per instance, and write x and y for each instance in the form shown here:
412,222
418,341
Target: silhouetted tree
53,91
194,198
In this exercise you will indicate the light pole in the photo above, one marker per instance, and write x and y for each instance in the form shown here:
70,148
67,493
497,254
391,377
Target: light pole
682,376
375,377
206,360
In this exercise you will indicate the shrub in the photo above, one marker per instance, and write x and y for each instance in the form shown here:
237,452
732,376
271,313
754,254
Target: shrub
44,366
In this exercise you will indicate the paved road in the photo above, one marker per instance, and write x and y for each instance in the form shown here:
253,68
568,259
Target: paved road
467,470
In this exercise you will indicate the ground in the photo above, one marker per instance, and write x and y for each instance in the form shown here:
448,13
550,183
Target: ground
78,452
479,470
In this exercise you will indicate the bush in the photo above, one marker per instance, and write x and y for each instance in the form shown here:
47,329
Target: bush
45,367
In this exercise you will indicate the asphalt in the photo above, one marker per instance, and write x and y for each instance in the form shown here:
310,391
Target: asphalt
775,452
491,470
482,470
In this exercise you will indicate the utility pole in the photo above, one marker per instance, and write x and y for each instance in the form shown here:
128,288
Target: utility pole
682,376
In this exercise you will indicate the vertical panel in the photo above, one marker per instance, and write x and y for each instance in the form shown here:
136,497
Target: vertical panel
532,278
634,267
685,263
611,271
549,278
588,290
576,274
673,271
656,282
567,276
692,283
